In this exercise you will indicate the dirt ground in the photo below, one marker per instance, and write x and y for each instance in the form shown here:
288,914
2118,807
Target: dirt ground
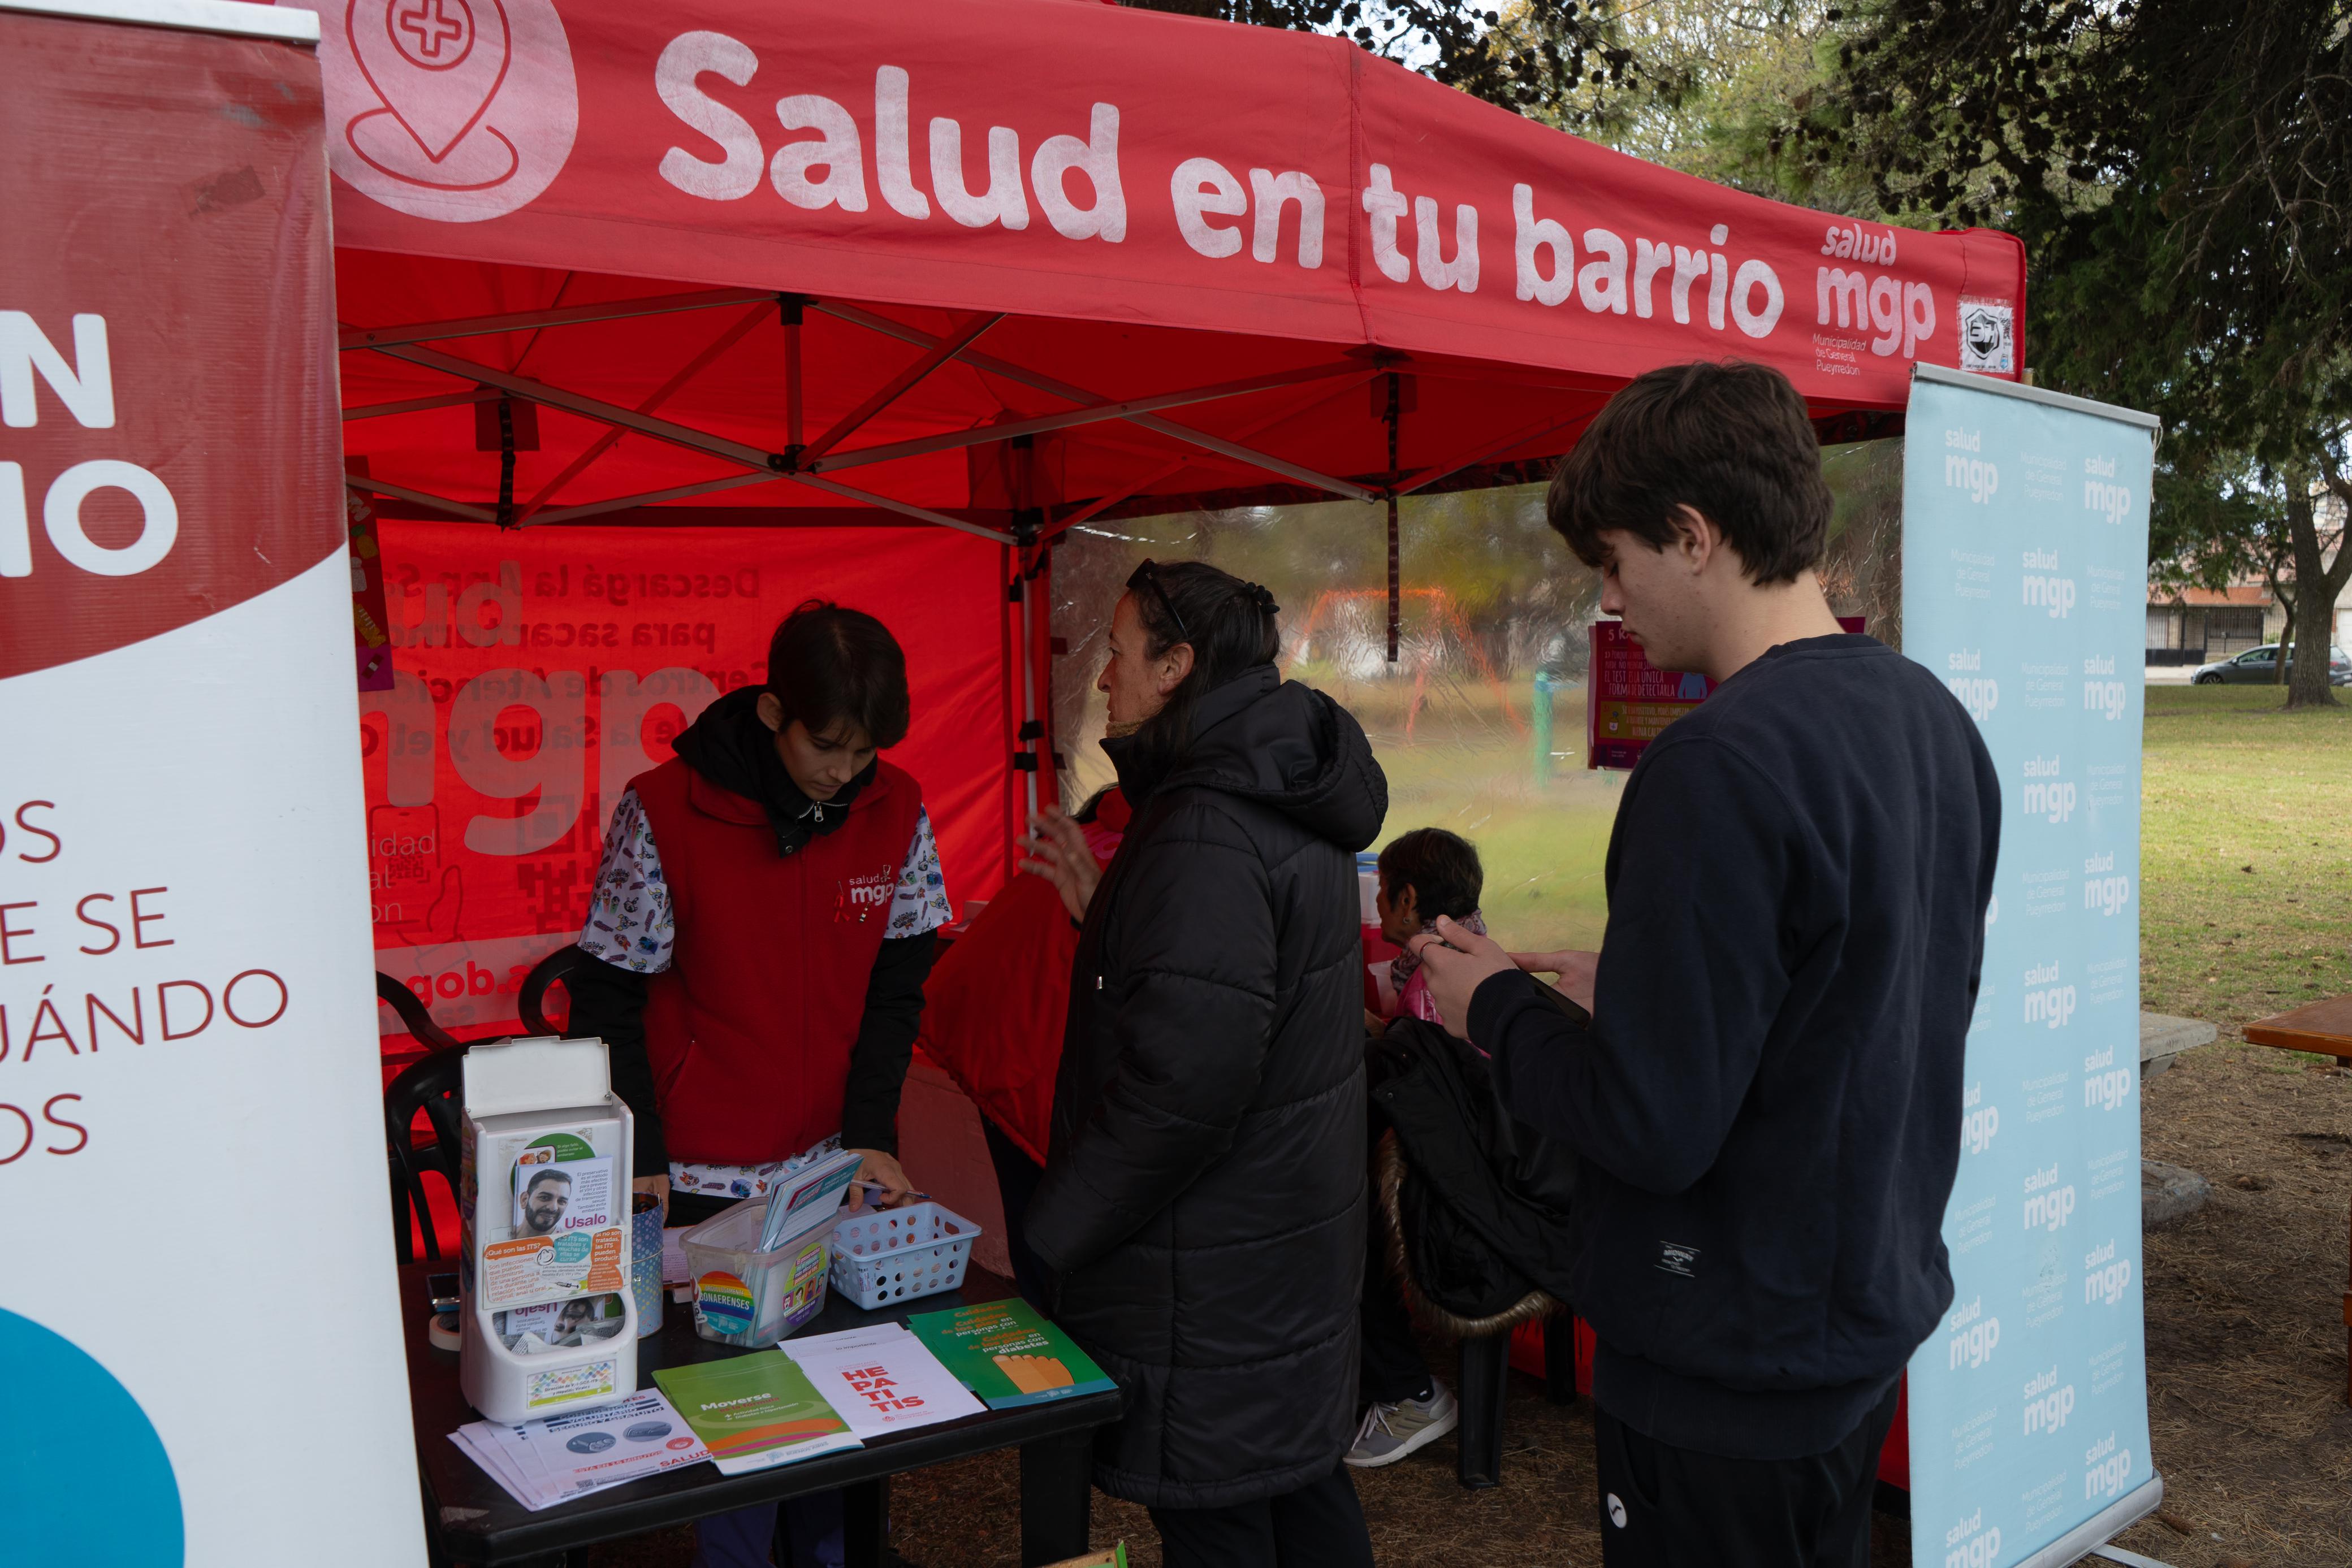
2245,1329
2246,1379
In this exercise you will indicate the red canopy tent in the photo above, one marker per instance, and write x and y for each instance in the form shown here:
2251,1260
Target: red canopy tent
618,283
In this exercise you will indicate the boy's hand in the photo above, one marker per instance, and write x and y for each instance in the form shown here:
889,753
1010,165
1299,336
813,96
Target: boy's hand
884,1168
1457,961
1576,970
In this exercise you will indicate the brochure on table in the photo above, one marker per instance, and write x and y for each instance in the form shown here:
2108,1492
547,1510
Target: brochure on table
542,1463
807,1397
882,1379
1008,1354
755,1412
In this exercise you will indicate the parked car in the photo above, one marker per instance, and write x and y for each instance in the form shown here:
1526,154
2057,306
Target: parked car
2259,667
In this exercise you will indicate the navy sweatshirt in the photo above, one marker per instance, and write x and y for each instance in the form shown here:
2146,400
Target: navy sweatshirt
1767,1102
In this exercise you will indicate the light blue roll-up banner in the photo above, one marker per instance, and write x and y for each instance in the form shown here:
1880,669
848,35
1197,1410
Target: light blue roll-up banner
2024,570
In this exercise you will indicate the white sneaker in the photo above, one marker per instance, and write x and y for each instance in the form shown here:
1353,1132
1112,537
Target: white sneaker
1390,1432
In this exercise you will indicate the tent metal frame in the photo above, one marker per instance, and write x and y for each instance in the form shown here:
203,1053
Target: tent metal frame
807,465
813,463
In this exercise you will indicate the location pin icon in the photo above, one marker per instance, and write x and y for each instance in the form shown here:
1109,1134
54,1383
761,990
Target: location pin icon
436,64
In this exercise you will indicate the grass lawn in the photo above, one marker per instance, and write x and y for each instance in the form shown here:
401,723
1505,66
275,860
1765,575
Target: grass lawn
2245,853
2245,849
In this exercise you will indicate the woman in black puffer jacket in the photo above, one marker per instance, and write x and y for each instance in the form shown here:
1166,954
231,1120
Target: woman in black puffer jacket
1202,1205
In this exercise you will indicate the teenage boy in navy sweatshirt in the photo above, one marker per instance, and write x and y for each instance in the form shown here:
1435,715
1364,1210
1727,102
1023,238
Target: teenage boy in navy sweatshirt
1767,1098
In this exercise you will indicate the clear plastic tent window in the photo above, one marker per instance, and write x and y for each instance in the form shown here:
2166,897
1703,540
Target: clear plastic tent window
1480,722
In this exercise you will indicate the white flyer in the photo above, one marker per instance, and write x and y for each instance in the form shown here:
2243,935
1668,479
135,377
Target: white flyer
882,1379
548,1461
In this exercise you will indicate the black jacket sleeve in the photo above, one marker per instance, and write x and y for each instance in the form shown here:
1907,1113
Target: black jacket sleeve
886,1042
610,1003
1692,974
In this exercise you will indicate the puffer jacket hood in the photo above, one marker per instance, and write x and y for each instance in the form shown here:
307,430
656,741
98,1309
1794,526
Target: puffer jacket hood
1203,1201
1286,746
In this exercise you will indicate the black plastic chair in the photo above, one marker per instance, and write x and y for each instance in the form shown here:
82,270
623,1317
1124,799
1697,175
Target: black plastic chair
1485,1375
429,1084
548,972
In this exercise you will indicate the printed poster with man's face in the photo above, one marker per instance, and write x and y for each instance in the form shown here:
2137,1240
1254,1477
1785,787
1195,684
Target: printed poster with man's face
561,1187
561,1215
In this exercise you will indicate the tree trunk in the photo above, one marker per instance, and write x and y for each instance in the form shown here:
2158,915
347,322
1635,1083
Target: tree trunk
2316,584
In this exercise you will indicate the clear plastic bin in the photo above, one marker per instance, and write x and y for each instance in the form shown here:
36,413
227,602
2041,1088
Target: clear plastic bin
743,1296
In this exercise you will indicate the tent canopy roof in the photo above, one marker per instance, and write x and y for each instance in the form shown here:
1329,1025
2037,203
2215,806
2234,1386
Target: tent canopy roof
1016,261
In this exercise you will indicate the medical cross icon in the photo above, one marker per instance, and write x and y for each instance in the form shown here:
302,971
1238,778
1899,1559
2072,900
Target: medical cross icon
434,34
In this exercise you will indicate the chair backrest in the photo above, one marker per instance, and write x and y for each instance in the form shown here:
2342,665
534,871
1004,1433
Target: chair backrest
431,1084
547,972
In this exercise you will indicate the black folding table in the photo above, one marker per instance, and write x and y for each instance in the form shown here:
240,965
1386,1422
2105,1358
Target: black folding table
472,1519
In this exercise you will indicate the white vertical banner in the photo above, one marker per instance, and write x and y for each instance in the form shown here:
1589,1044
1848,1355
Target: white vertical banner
199,1324
2024,564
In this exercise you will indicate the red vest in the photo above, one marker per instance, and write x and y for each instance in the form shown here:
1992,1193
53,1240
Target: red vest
750,1027
997,1000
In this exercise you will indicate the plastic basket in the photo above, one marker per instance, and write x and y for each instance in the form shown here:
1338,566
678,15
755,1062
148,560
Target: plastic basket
744,1296
889,1255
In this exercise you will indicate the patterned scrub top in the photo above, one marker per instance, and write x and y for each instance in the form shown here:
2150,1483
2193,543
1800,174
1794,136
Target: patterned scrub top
630,927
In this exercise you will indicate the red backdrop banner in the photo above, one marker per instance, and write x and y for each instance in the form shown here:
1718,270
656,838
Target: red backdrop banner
535,673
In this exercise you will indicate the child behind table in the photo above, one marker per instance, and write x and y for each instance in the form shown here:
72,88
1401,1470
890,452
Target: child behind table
1426,874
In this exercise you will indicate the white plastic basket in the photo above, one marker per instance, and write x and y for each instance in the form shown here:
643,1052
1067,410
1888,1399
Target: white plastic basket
881,1257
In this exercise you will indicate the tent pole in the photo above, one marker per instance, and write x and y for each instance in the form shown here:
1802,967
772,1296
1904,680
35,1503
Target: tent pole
1396,596
1028,683
1396,606
788,307
1025,535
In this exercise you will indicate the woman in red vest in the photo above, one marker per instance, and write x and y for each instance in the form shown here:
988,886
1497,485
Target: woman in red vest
763,920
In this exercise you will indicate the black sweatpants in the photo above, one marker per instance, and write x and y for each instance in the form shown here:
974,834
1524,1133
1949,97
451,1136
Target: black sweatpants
1663,1507
1320,1525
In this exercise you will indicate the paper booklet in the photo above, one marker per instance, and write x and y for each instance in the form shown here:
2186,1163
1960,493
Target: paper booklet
554,1459
801,1200
1006,1353
882,1379
755,1411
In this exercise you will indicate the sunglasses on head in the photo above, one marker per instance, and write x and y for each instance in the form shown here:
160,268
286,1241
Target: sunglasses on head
1147,576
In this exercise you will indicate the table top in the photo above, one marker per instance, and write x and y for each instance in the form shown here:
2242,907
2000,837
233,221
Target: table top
2322,1027
481,1523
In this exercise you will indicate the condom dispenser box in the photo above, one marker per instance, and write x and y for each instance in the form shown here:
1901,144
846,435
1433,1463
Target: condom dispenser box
548,1323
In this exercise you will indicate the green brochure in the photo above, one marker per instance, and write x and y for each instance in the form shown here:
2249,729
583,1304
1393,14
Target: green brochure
1006,1353
754,1411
